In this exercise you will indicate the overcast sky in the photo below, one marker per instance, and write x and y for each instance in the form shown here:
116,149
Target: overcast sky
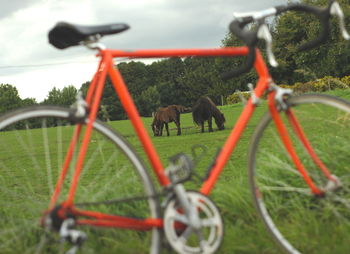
28,62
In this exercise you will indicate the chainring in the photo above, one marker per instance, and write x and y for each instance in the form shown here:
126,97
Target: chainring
186,240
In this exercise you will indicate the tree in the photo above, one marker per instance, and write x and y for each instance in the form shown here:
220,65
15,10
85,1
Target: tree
53,98
111,108
167,76
64,97
9,98
182,81
29,102
148,101
289,31
68,95
293,29
135,75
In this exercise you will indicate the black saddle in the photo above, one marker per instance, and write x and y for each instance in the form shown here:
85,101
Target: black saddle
64,35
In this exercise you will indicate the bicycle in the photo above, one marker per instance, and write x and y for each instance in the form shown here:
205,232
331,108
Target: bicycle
191,222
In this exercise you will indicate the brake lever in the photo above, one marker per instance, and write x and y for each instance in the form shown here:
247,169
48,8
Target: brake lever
264,33
337,11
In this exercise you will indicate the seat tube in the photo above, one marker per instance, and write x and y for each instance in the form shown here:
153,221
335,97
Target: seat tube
73,143
283,133
65,167
93,106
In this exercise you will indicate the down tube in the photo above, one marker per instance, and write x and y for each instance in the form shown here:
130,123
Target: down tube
135,119
230,144
228,147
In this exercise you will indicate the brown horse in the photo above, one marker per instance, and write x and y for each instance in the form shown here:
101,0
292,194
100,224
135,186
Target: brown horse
204,110
164,116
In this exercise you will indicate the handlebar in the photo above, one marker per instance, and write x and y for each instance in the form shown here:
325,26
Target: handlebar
251,38
323,14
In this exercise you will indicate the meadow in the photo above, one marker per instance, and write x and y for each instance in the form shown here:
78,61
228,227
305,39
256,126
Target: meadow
244,231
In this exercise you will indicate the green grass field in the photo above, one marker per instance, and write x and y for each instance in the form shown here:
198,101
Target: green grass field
244,231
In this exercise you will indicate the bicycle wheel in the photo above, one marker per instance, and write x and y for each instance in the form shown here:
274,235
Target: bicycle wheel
33,144
299,221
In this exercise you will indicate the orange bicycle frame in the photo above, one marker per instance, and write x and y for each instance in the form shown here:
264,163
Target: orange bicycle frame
93,97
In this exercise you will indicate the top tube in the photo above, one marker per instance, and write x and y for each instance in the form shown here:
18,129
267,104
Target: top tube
162,53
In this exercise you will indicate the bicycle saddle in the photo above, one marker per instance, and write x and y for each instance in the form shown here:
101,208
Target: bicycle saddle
64,34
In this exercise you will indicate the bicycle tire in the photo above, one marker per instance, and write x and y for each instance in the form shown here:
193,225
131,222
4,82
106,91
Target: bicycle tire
297,220
37,138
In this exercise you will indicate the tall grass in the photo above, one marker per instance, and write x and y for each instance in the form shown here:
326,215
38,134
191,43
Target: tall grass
244,231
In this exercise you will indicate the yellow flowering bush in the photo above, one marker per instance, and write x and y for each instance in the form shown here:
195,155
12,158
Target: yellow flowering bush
319,85
235,97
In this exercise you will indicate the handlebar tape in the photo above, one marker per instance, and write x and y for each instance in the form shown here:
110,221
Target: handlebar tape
322,14
250,38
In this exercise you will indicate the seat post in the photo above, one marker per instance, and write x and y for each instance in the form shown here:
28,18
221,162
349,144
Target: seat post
94,45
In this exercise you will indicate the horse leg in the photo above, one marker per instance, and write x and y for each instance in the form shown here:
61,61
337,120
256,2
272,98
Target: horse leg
210,127
167,129
161,129
202,125
178,127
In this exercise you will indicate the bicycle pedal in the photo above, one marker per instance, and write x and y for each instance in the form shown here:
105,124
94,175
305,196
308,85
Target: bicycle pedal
180,168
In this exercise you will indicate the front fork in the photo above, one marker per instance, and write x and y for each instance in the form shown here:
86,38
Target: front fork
277,102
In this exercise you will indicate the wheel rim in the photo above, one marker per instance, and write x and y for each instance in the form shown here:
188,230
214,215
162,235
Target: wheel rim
297,220
30,155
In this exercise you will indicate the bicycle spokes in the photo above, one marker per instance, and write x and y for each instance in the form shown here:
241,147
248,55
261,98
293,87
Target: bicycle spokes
290,211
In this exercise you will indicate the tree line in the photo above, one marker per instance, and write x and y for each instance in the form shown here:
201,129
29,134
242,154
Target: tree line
183,80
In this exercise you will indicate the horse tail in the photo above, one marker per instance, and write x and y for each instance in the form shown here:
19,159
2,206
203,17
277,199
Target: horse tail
154,119
180,108
188,109
199,111
196,115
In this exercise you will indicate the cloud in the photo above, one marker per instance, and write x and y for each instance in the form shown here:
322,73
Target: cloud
14,5
38,82
154,24
25,31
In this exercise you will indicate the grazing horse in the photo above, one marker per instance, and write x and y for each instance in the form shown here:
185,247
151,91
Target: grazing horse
167,115
204,110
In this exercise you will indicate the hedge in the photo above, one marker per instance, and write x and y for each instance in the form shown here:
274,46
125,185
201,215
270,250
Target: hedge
319,85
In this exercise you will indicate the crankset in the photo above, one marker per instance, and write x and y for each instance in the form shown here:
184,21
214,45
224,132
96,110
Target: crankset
199,232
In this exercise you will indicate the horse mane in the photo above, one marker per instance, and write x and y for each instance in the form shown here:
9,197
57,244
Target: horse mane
216,112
